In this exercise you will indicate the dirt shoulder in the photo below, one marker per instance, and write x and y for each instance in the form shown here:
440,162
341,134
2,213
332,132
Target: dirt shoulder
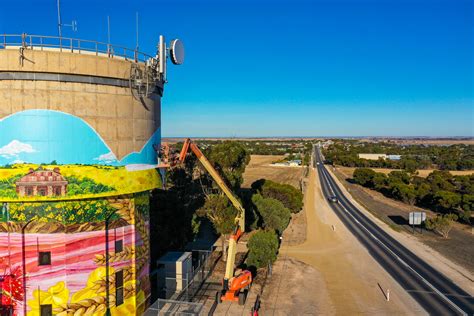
295,233
331,271
452,257
295,288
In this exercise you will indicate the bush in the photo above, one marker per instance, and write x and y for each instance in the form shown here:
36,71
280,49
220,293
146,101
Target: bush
274,214
441,224
364,177
291,197
263,247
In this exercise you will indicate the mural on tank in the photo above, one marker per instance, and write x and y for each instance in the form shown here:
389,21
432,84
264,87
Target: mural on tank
66,201
56,251
54,155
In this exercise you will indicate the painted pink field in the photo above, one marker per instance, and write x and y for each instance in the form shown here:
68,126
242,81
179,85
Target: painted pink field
72,256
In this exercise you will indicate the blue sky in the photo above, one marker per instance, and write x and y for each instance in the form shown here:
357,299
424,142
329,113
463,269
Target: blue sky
293,68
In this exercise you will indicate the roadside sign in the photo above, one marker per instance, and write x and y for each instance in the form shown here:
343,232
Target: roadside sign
416,218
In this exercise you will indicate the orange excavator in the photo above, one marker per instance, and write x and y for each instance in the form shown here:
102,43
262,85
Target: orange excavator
234,287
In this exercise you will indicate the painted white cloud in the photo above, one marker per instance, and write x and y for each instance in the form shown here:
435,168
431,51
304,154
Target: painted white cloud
18,161
14,148
107,158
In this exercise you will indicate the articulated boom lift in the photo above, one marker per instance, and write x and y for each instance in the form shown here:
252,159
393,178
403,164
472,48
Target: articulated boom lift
234,288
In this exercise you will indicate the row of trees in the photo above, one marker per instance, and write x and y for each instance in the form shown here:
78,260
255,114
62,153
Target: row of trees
273,203
440,191
454,157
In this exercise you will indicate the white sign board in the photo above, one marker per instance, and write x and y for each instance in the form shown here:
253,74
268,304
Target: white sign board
416,218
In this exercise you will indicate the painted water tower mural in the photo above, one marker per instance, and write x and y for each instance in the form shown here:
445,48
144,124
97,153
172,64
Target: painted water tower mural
79,135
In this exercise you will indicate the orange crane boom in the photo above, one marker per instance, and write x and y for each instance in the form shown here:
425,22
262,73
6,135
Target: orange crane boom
234,287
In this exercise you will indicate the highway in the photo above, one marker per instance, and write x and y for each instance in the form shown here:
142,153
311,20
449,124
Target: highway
432,290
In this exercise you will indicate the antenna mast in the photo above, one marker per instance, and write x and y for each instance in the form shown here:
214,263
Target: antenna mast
73,24
108,34
59,18
136,18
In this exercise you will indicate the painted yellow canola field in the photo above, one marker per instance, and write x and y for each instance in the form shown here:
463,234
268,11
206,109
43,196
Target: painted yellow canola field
121,179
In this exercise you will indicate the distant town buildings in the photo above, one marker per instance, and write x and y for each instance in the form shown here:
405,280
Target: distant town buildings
327,143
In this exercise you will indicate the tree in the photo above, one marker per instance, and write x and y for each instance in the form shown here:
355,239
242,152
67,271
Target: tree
230,159
399,176
291,197
446,200
218,209
364,176
379,181
440,180
409,165
263,247
441,224
468,202
423,190
274,214
404,192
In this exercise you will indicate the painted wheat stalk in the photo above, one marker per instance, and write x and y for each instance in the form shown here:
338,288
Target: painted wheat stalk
124,208
126,254
100,285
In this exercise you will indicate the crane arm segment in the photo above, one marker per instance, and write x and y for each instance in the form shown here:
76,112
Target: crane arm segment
239,220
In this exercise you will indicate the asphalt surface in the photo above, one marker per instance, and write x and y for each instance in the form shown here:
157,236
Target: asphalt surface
437,294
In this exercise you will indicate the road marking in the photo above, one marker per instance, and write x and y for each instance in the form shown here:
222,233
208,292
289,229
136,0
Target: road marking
395,255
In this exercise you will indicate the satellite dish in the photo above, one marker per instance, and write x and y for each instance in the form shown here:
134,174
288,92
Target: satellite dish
177,52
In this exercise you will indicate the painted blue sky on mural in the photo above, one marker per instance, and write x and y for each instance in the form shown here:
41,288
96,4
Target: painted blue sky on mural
43,136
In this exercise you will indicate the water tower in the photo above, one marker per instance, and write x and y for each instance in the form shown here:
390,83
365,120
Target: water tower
79,135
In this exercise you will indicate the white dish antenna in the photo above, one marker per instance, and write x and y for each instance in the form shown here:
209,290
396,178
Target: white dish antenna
177,52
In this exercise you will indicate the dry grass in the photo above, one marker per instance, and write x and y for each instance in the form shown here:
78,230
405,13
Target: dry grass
348,171
260,167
